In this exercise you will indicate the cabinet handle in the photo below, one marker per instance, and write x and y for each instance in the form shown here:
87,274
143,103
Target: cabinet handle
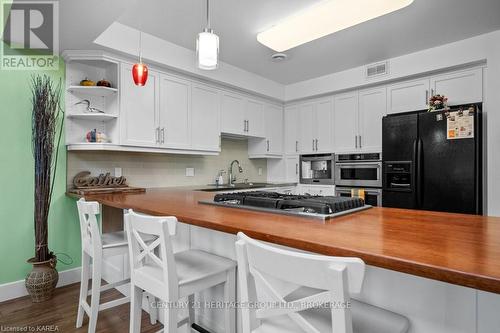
157,135
313,144
296,146
426,97
248,125
163,135
296,168
244,125
432,92
360,142
316,144
267,145
356,141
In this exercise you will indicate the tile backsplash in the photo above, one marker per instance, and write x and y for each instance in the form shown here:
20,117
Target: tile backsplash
164,170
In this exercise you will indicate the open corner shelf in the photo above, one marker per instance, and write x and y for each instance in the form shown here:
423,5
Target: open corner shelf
93,116
93,90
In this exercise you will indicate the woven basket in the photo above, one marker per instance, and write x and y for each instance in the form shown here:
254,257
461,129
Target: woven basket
42,280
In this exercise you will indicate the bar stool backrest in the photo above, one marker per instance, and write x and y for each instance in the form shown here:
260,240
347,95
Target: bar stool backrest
268,273
89,227
156,254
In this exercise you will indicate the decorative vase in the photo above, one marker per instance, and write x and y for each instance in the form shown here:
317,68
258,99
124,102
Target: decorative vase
42,279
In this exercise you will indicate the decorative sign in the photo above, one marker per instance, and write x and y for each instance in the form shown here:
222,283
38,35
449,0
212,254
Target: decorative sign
84,180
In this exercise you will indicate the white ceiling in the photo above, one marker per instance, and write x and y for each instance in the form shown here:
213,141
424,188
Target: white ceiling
424,24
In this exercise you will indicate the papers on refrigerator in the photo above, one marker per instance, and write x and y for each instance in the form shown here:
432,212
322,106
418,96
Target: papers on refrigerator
460,125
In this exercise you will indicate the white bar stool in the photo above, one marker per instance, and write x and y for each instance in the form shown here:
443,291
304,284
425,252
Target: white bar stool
170,276
300,283
97,246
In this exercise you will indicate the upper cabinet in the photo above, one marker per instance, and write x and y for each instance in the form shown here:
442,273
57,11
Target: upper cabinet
460,87
175,112
139,110
254,116
408,96
272,145
205,114
345,122
292,130
372,107
242,116
315,126
233,119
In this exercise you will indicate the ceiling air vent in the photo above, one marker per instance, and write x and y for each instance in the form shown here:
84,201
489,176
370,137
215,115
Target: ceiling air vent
379,69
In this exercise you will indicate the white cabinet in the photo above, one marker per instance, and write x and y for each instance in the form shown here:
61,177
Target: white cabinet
205,114
315,126
233,114
345,122
254,115
460,87
242,116
323,121
408,96
292,169
139,114
175,117
292,130
372,107
272,145
316,189
306,125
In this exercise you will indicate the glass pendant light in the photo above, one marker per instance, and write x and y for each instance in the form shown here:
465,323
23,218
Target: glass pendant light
140,70
207,46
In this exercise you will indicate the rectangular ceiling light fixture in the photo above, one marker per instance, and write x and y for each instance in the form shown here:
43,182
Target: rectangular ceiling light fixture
323,19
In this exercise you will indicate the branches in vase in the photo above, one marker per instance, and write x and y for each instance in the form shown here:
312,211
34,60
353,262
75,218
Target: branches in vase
46,116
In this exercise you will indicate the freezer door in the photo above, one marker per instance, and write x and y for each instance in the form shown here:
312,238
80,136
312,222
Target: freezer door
447,167
399,148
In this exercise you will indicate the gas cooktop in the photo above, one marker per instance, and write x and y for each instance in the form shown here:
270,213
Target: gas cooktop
321,207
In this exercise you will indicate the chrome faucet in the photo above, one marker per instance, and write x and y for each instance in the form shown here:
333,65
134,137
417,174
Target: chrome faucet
231,177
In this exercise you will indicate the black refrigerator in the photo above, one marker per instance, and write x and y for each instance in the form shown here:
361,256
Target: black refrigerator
433,160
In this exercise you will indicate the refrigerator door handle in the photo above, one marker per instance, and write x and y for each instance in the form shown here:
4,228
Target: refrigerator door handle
419,176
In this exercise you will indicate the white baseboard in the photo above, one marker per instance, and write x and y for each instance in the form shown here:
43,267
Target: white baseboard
17,289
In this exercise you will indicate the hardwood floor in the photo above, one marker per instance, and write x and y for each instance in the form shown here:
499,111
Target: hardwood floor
60,314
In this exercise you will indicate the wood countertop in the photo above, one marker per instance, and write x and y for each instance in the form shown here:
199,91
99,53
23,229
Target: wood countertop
455,248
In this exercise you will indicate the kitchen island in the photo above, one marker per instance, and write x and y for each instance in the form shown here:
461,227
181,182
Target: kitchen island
398,245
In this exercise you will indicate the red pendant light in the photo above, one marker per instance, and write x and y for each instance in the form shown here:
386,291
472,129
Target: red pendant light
140,70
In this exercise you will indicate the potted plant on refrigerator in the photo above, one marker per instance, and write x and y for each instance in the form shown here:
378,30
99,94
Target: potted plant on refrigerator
46,129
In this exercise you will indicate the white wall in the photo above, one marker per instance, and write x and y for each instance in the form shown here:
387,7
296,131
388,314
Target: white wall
484,48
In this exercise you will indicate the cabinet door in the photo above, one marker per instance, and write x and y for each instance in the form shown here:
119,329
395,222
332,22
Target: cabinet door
206,118
345,122
372,107
232,114
274,129
175,117
292,169
139,110
291,116
460,87
255,119
324,124
408,96
307,119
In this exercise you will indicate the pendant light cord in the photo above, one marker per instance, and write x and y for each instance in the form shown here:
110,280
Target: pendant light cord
140,46
208,14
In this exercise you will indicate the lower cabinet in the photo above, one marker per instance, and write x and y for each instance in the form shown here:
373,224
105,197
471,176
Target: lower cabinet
316,189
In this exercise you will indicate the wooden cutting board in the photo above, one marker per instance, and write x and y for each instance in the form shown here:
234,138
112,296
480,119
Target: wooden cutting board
90,191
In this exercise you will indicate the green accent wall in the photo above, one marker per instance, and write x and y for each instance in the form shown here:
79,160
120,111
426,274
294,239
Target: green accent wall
16,183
